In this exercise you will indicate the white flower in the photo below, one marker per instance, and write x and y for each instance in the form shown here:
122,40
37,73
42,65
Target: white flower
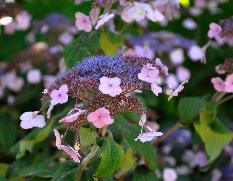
31,119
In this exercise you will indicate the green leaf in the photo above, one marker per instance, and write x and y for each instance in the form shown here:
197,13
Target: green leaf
66,171
8,128
209,112
110,42
143,174
87,137
215,137
127,163
189,108
45,169
111,157
86,44
130,132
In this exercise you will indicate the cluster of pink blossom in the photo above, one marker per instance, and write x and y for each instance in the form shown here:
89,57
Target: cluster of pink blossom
109,87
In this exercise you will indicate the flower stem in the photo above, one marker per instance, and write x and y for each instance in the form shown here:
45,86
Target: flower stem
86,161
225,99
168,133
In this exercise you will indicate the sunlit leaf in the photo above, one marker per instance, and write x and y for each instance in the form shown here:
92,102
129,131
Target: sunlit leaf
110,42
215,137
127,163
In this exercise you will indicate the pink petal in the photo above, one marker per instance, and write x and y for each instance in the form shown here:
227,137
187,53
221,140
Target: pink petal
54,94
229,83
92,117
63,89
156,89
104,19
83,22
219,84
26,124
71,118
110,86
27,116
94,15
63,99
71,152
142,120
38,121
58,138
178,90
101,117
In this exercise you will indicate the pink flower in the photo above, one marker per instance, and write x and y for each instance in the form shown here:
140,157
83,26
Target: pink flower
77,2
148,73
161,67
189,24
72,117
59,96
45,91
148,136
214,30
34,76
100,118
172,81
182,73
178,90
196,53
229,83
156,89
65,38
31,119
200,159
169,174
58,138
177,56
219,84
94,14
110,86
74,154
142,120
10,28
103,19
23,20
83,22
